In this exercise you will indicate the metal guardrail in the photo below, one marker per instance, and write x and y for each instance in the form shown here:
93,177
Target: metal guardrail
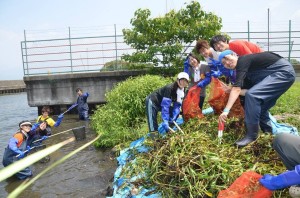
90,54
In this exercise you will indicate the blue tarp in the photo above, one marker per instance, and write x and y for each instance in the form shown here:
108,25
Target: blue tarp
282,127
123,186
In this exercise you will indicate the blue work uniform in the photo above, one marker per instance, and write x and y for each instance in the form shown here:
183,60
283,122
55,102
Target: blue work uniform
270,76
154,103
9,156
83,107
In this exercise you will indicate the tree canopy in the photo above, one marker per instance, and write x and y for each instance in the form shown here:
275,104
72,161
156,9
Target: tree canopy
163,39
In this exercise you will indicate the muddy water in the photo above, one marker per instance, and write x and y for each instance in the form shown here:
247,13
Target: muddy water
86,174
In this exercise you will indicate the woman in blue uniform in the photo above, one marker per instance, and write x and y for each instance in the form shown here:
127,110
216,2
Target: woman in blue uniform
168,100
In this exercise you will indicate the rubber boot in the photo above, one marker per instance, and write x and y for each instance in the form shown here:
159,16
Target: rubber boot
251,135
266,127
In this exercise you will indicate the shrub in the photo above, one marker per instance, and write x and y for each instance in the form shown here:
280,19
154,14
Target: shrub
119,120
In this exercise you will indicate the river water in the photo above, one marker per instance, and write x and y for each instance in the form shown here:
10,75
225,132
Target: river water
86,174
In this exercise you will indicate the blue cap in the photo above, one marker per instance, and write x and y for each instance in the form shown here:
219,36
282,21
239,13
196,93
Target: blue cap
224,53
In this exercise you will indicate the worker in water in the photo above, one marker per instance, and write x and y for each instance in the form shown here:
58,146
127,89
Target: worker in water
18,146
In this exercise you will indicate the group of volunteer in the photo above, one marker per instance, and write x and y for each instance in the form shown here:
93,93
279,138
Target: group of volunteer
258,78
31,135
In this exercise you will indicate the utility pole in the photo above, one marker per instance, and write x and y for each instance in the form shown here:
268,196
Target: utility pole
268,29
166,6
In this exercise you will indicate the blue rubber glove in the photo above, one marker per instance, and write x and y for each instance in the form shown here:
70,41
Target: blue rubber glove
35,126
176,110
200,84
21,154
205,81
59,119
281,181
165,108
28,148
213,64
216,74
45,137
165,125
186,65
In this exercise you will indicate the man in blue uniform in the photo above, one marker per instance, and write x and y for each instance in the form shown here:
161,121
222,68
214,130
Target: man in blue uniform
270,76
82,107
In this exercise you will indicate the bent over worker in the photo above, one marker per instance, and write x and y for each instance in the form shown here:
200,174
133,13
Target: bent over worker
168,100
271,76
18,144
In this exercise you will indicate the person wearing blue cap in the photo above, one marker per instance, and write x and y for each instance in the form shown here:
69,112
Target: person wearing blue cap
242,47
270,76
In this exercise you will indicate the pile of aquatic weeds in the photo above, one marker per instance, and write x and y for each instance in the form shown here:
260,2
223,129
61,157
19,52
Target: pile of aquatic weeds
197,163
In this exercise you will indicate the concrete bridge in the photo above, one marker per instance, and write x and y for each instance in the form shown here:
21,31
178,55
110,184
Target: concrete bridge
59,91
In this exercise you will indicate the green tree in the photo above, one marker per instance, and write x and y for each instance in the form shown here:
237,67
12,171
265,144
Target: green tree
162,39
294,61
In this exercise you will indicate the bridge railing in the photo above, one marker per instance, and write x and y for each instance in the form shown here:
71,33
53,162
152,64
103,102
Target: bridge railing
71,54
90,54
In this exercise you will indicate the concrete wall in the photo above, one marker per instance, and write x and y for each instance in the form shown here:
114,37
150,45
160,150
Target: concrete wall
12,86
60,89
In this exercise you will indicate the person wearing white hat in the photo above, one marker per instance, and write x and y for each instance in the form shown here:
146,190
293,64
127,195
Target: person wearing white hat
18,144
168,100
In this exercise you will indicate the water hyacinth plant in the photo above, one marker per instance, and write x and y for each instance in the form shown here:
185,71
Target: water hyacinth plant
196,163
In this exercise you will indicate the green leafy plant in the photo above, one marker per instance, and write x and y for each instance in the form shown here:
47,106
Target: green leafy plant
121,118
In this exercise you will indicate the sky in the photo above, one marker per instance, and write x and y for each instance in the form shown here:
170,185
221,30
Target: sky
38,17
